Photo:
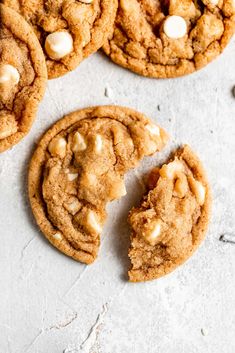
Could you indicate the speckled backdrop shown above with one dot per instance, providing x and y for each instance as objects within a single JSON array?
[{"x": 51, "y": 304}]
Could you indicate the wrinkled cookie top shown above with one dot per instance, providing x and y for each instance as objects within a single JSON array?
[
  {"x": 170, "y": 38},
  {"x": 69, "y": 30},
  {"x": 23, "y": 77},
  {"x": 79, "y": 166},
  {"x": 172, "y": 219}
]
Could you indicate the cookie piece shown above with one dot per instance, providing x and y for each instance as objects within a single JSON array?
[
  {"x": 79, "y": 166},
  {"x": 23, "y": 77},
  {"x": 172, "y": 219},
  {"x": 68, "y": 30},
  {"x": 170, "y": 38}
]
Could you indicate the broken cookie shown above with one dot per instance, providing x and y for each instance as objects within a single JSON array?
[
  {"x": 170, "y": 38},
  {"x": 68, "y": 30},
  {"x": 79, "y": 166},
  {"x": 23, "y": 77},
  {"x": 172, "y": 219}
]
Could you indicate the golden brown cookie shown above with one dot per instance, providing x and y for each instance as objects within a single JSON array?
[
  {"x": 68, "y": 30},
  {"x": 79, "y": 166},
  {"x": 170, "y": 38},
  {"x": 23, "y": 77},
  {"x": 172, "y": 219}
]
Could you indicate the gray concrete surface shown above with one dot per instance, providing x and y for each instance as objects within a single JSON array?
[{"x": 51, "y": 304}]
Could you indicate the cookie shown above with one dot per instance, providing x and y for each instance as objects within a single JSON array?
[
  {"x": 79, "y": 166},
  {"x": 170, "y": 38},
  {"x": 68, "y": 30},
  {"x": 23, "y": 77},
  {"x": 172, "y": 219}
]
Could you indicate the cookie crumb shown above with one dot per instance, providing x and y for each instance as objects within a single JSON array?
[
  {"x": 233, "y": 91},
  {"x": 204, "y": 332},
  {"x": 227, "y": 238},
  {"x": 159, "y": 107},
  {"x": 107, "y": 92}
]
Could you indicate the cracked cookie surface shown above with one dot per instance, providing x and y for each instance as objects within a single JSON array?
[
  {"x": 172, "y": 219},
  {"x": 68, "y": 30},
  {"x": 79, "y": 166},
  {"x": 23, "y": 77},
  {"x": 170, "y": 38}
]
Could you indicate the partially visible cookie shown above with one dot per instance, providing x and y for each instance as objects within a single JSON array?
[
  {"x": 79, "y": 166},
  {"x": 170, "y": 38},
  {"x": 68, "y": 30},
  {"x": 172, "y": 219},
  {"x": 23, "y": 77}
]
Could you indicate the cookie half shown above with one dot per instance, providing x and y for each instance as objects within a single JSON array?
[
  {"x": 23, "y": 77},
  {"x": 172, "y": 219},
  {"x": 68, "y": 30},
  {"x": 170, "y": 38},
  {"x": 79, "y": 166}
]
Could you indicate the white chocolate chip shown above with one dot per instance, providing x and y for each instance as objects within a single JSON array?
[
  {"x": 198, "y": 189},
  {"x": 58, "y": 45},
  {"x": 58, "y": 236},
  {"x": 154, "y": 233},
  {"x": 171, "y": 170},
  {"x": 93, "y": 223},
  {"x": 86, "y": 1},
  {"x": 98, "y": 143},
  {"x": 72, "y": 176},
  {"x": 153, "y": 129},
  {"x": 79, "y": 143},
  {"x": 57, "y": 147},
  {"x": 175, "y": 27},
  {"x": 214, "y": 2},
  {"x": 9, "y": 74}
]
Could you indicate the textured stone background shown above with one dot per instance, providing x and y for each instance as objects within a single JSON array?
[{"x": 51, "y": 304}]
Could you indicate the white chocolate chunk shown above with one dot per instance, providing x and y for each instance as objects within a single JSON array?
[
  {"x": 214, "y": 2},
  {"x": 153, "y": 129},
  {"x": 118, "y": 190},
  {"x": 175, "y": 27},
  {"x": 86, "y": 1},
  {"x": 198, "y": 190},
  {"x": 98, "y": 143},
  {"x": 72, "y": 176},
  {"x": 58, "y": 45},
  {"x": 129, "y": 6},
  {"x": 57, "y": 147},
  {"x": 181, "y": 186},
  {"x": 73, "y": 207},
  {"x": 79, "y": 143},
  {"x": 58, "y": 236},
  {"x": 6, "y": 133},
  {"x": 93, "y": 223},
  {"x": 171, "y": 170},
  {"x": 154, "y": 233},
  {"x": 9, "y": 74},
  {"x": 8, "y": 126},
  {"x": 90, "y": 179}
]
